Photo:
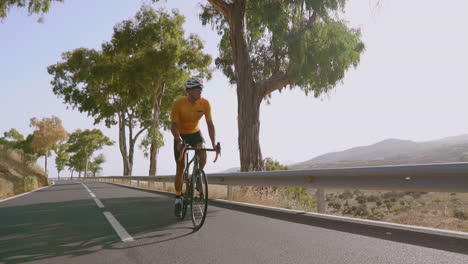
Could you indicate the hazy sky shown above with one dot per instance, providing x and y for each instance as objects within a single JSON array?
[{"x": 411, "y": 83}]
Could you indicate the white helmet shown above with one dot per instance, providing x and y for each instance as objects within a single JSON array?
[{"x": 193, "y": 82}]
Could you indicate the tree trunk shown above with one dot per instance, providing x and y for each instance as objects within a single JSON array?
[
  {"x": 123, "y": 145},
  {"x": 153, "y": 159},
  {"x": 157, "y": 97},
  {"x": 45, "y": 165},
  {"x": 248, "y": 123},
  {"x": 86, "y": 165},
  {"x": 79, "y": 174},
  {"x": 248, "y": 96},
  {"x": 131, "y": 149},
  {"x": 72, "y": 173}
]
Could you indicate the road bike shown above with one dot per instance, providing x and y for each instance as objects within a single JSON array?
[{"x": 196, "y": 186}]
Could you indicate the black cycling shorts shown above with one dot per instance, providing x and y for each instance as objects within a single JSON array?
[{"x": 191, "y": 139}]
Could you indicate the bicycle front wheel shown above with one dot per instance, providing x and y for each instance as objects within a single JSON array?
[{"x": 199, "y": 201}]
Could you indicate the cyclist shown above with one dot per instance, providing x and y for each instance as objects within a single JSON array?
[{"x": 186, "y": 114}]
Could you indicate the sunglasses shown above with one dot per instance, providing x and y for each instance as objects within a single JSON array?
[{"x": 196, "y": 88}]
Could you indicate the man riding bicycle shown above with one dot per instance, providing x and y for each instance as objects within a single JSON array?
[{"x": 186, "y": 114}]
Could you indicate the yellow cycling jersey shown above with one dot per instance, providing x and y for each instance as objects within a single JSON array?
[{"x": 187, "y": 114}]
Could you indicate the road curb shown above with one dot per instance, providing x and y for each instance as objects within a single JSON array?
[
  {"x": 22, "y": 194},
  {"x": 410, "y": 228}
]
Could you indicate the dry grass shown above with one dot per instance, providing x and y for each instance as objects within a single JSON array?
[
  {"x": 437, "y": 210},
  {"x": 17, "y": 175}
]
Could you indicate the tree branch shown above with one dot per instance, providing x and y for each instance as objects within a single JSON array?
[
  {"x": 275, "y": 82},
  {"x": 139, "y": 133},
  {"x": 311, "y": 22},
  {"x": 221, "y": 6}
]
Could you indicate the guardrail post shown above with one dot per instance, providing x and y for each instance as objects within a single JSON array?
[
  {"x": 229, "y": 192},
  {"x": 320, "y": 197}
]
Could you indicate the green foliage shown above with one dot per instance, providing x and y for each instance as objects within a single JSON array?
[
  {"x": 34, "y": 6},
  {"x": 135, "y": 77},
  {"x": 272, "y": 165},
  {"x": 302, "y": 198},
  {"x": 152, "y": 137},
  {"x": 82, "y": 144},
  {"x": 15, "y": 140},
  {"x": 95, "y": 166},
  {"x": 301, "y": 39},
  {"x": 62, "y": 157}
]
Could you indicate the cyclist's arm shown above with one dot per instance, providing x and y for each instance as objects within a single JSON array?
[
  {"x": 175, "y": 132},
  {"x": 211, "y": 131}
]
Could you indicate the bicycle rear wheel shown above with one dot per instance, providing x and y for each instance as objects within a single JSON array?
[{"x": 199, "y": 201}]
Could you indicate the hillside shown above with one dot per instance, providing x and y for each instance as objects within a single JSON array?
[
  {"x": 393, "y": 152},
  {"x": 16, "y": 176}
]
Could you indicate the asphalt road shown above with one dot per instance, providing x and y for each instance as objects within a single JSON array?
[{"x": 64, "y": 224}]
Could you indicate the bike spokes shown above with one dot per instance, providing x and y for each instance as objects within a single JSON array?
[{"x": 199, "y": 203}]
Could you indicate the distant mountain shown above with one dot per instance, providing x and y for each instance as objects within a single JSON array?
[
  {"x": 231, "y": 170},
  {"x": 393, "y": 152}
]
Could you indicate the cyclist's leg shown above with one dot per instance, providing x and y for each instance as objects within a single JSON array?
[
  {"x": 178, "y": 182},
  {"x": 180, "y": 164},
  {"x": 201, "y": 155},
  {"x": 179, "y": 177}
]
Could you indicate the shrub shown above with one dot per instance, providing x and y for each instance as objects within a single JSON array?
[
  {"x": 460, "y": 214},
  {"x": 372, "y": 198},
  {"x": 388, "y": 204},
  {"x": 361, "y": 210},
  {"x": 346, "y": 195}
]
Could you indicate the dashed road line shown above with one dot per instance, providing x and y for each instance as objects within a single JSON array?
[
  {"x": 119, "y": 229},
  {"x": 123, "y": 234},
  {"x": 98, "y": 202}
]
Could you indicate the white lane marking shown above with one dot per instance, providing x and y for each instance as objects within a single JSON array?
[
  {"x": 123, "y": 234},
  {"x": 16, "y": 196},
  {"x": 119, "y": 229},
  {"x": 98, "y": 202}
]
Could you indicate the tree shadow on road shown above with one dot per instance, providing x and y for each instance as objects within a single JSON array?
[{"x": 74, "y": 228}]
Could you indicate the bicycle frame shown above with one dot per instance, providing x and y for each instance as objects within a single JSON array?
[{"x": 196, "y": 184}]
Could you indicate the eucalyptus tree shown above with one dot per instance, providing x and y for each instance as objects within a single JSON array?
[
  {"x": 267, "y": 46},
  {"x": 85, "y": 143},
  {"x": 158, "y": 59},
  {"x": 61, "y": 157},
  {"x": 76, "y": 163},
  {"x": 92, "y": 82},
  {"x": 133, "y": 81}
]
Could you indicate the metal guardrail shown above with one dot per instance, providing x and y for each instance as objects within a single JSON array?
[{"x": 444, "y": 177}]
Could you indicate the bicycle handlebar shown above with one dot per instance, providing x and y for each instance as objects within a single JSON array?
[{"x": 186, "y": 147}]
